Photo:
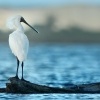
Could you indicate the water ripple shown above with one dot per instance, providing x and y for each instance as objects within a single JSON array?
[{"x": 56, "y": 65}]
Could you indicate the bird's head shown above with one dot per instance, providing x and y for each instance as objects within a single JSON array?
[
  {"x": 14, "y": 22},
  {"x": 23, "y": 20}
]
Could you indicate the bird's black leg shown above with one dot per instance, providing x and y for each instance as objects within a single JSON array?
[
  {"x": 17, "y": 68},
  {"x": 22, "y": 71}
]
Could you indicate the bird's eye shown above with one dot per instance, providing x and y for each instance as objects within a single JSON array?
[{"x": 22, "y": 19}]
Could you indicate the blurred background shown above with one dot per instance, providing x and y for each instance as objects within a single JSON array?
[
  {"x": 65, "y": 52},
  {"x": 56, "y": 20}
]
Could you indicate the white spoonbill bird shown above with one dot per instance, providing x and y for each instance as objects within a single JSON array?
[{"x": 18, "y": 41}]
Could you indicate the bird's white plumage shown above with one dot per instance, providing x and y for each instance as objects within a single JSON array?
[
  {"x": 19, "y": 45},
  {"x": 12, "y": 22},
  {"x": 18, "y": 41}
]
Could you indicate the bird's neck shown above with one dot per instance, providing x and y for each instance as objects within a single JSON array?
[{"x": 20, "y": 27}]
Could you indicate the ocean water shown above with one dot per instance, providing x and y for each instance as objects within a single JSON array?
[{"x": 55, "y": 65}]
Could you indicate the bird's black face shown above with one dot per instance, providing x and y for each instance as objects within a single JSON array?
[{"x": 23, "y": 20}]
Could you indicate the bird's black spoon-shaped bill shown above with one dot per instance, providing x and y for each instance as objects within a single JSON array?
[{"x": 23, "y": 20}]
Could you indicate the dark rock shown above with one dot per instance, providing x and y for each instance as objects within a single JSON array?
[{"x": 25, "y": 87}]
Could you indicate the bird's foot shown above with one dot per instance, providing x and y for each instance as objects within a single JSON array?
[
  {"x": 24, "y": 80},
  {"x": 16, "y": 77}
]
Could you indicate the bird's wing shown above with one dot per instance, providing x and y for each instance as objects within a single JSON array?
[
  {"x": 19, "y": 45},
  {"x": 13, "y": 43}
]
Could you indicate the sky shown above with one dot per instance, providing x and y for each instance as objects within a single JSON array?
[{"x": 37, "y": 3}]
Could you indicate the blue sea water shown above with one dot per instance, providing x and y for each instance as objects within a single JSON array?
[{"x": 54, "y": 65}]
